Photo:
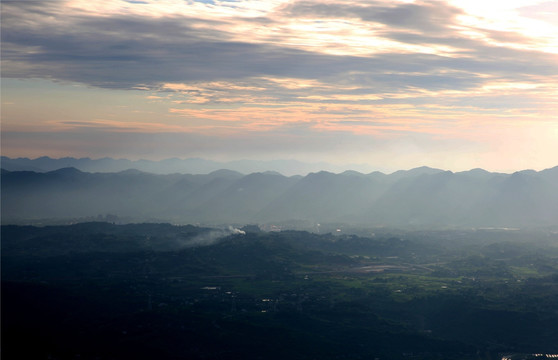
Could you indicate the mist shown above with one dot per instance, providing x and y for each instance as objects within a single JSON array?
[
  {"x": 210, "y": 238},
  {"x": 422, "y": 197}
]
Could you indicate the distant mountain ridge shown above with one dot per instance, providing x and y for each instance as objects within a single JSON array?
[
  {"x": 423, "y": 197},
  {"x": 168, "y": 166}
]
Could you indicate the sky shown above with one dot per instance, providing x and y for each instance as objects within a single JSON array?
[{"x": 385, "y": 85}]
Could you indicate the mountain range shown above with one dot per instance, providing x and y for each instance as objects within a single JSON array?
[
  {"x": 421, "y": 197},
  {"x": 169, "y": 166}
]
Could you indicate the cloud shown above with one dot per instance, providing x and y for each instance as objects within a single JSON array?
[
  {"x": 113, "y": 126},
  {"x": 118, "y": 51},
  {"x": 422, "y": 16},
  {"x": 545, "y": 10}
]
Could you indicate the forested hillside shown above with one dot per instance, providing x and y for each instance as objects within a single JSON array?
[{"x": 145, "y": 291}]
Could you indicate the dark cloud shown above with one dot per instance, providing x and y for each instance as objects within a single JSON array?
[
  {"x": 426, "y": 17},
  {"x": 433, "y": 82},
  {"x": 124, "y": 52},
  {"x": 423, "y": 16}
]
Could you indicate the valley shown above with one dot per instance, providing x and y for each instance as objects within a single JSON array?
[{"x": 100, "y": 291}]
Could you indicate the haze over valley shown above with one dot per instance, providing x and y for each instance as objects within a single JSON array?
[{"x": 423, "y": 197}]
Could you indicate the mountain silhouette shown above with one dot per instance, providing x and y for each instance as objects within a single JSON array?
[{"x": 417, "y": 197}]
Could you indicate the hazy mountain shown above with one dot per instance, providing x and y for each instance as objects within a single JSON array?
[
  {"x": 422, "y": 197},
  {"x": 168, "y": 166},
  {"x": 244, "y": 199},
  {"x": 325, "y": 196}
]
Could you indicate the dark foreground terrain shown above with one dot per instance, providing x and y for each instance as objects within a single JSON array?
[{"x": 157, "y": 291}]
